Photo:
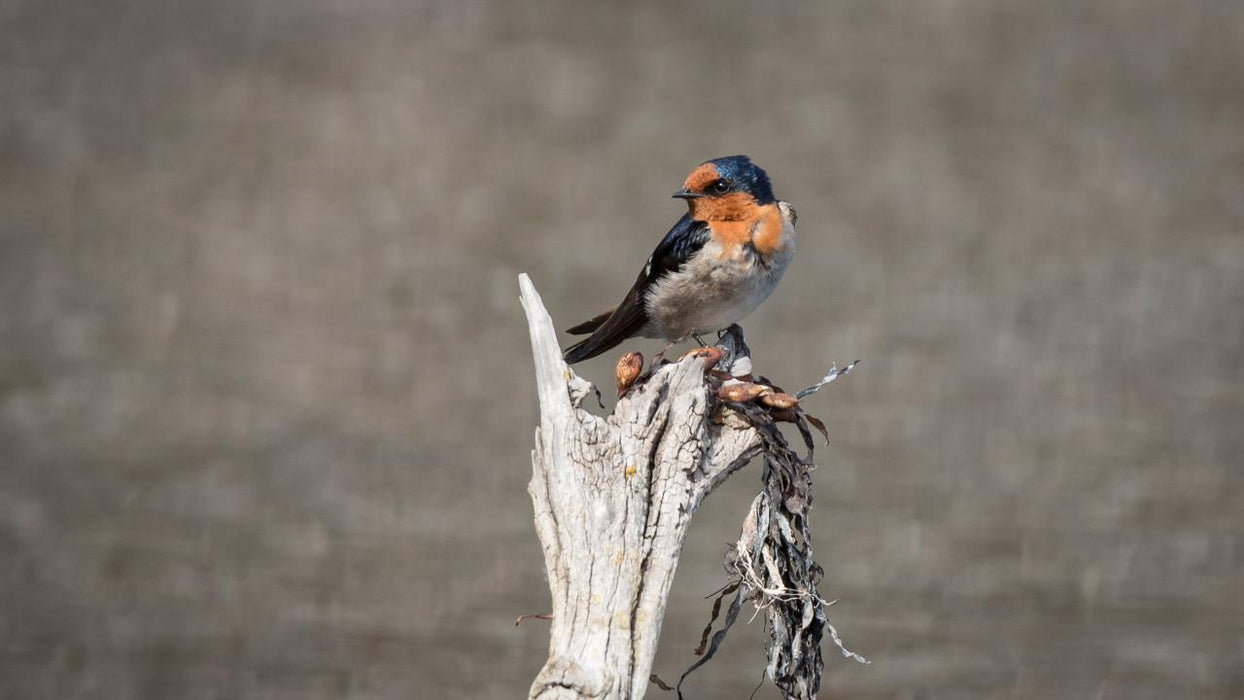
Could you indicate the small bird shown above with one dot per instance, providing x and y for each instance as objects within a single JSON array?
[{"x": 718, "y": 263}]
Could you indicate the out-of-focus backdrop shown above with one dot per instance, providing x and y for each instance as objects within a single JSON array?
[{"x": 265, "y": 396}]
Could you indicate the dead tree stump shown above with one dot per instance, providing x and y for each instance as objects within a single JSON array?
[{"x": 613, "y": 500}]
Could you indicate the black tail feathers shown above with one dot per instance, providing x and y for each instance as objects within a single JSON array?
[
  {"x": 591, "y": 324},
  {"x": 607, "y": 331}
]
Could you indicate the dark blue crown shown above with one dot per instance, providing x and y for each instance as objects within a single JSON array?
[{"x": 746, "y": 176}]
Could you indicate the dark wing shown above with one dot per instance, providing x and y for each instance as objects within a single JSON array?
[{"x": 679, "y": 245}]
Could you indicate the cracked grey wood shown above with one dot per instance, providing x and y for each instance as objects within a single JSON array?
[{"x": 613, "y": 499}]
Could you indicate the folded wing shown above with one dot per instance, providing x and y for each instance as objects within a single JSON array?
[{"x": 609, "y": 329}]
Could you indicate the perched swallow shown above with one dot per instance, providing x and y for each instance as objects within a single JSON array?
[{"x": 722, "y": 258}]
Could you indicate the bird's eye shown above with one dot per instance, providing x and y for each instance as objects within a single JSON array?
[{"x": 721, "y": 186}]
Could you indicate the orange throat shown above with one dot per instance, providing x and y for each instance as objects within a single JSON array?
[
  {"x": 738, "y": 206},
  {"x": 749, "y": 224}
]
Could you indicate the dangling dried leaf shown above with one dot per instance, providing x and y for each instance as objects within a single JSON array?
[
  {"x": 784, "y": 415},
  {"x": 806, "y": 434},
  {"x": 816, "y": 423},
  {"x": 772, "y": 564},
  {"x": 713, "y": 617},
  {"x": 731, "y": 616}
]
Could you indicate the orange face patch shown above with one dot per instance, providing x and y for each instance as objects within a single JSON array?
[{"x": 700, "y": 177}]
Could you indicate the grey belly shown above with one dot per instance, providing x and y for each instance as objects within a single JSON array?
[{"x": 709, "y": 294}]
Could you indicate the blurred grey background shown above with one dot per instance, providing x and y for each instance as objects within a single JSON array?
[{"x": 265, "y": 396}]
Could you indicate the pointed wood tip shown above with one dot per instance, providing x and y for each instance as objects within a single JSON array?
[{"x": 552, "y": 374}]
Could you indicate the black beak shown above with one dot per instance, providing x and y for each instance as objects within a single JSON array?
[{"x": 686, "y": 194}]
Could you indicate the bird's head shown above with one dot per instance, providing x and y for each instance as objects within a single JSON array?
[{"x": 727, "y": 188}]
